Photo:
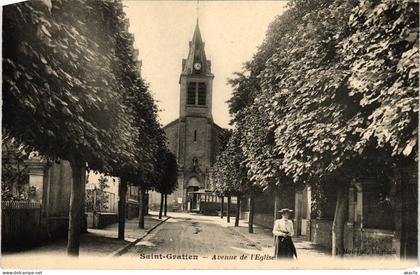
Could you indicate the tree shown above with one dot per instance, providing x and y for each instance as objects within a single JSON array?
[
  {"x": 142, "y": 109},
  {"x": 319, "y": 116},
  {"x": 150, "y": 173},
  {"x": 315, "y": 101},
  {"x": 169, "y": 179},
  {"x": 229, "y": 174},
  {"x": 166, "y": 175},
  {"x": 312, "y": 137},
  {"x": 384, "y": 78},
  {"x": 61, "y": 96},
  {"x": 101, "y": 196}
]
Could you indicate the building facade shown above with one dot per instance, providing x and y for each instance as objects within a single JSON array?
[{"x": 194, "y": 137}]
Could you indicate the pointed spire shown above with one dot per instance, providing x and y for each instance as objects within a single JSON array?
[
  {"x": 196, "y": 62},
  {"x": 197, "y": 40}
]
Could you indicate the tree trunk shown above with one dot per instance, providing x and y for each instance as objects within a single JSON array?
[
  {"x": 83, "y": 220},
  {"x": 403, "y": 232},
  {"x": 251, "y": 214},
  {"x": 228, "y": 209},
  {"x": 238, "y": 210},
  {"x": 166, "y": 205},
  {"x": 141, "y": 207},
  {"x": 146, "y": 204},
  {"x": 222, "y": 204},
  {"x": 161, "y": 206},
  {"x": 277, "y": 204},
  {"x": 339, "y": 221},
  {"x": 122, "y": 193},
  {"x": 76, "y": 205},
  {"x": 398, "y": 215},
  {"x": 409, "y": 211}
]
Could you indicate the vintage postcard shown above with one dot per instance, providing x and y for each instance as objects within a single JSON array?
[{"x": 210, "y": 134}]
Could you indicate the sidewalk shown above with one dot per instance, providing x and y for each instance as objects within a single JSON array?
[
  {"x": 96, "y": 242},
  {"x": 262, "y": 238}
]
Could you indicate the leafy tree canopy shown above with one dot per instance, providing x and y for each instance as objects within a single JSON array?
[
  {"x": 62, "y": 96},
  {"x": 167, "y": 177},
  {"x": 335, "y": 82}
]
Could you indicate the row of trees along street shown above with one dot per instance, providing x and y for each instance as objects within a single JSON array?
[
  {"x": 330, "y": 95},
  {"x": 72, "y": 90}
]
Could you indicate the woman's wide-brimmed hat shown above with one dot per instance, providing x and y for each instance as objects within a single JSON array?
[{"x": 285, "y": 210}]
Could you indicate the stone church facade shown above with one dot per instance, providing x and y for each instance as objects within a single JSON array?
[{"x": 194, "y": 137}]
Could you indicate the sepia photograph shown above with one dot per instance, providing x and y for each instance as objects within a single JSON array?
[{"x": 210, "y": 134}]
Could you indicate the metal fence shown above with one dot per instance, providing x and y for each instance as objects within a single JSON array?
[{"x": 21, "y": 222}]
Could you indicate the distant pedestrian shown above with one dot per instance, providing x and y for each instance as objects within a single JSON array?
[{"x": 283, "y": 232}]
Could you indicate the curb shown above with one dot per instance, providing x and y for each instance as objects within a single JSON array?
[
  {"x": 259, "y": 247},
  {"x": 125, "y": 248}
]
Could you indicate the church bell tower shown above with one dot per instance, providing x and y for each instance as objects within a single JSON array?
[
  {"x": 196, "y": 80},
  {"x": 194, "y": 137},
  {"x": 196, "y": 127}
]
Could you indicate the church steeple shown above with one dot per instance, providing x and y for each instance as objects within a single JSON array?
[
  {"x": 196, "y": 62},
  {"x": 197, "y": 34},
  {"x": 196, "y": 81},
  {"x": 194, "y": 136}
]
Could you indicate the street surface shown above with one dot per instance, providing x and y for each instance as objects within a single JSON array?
[
  {"x": 188, "y": 240},
  {"x": 193, "y": 234}
]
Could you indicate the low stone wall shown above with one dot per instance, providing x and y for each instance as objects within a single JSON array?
[
  {"x": 100, "y": 220},
  {"x": 90, "y": 220},
  {"x": 154, "y": 206},
  {"x": 216, "y": 208},
  {"x": 266, "y": 220},
  {"x": 213, "y": 208},
  {"x": 369, "y": 241},
  {"x": 321, "y": 232},
  {"x": 132, "y": 209},
  {"x": 306, "y": 228},
  {"x": 356, "y": 241}
]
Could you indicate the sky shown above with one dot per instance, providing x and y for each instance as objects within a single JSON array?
[{"x": 231, "y": 30}]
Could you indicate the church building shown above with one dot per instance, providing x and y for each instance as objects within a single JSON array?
[{"x": 194, "y": 137}]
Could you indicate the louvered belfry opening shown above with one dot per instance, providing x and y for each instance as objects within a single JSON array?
[{"x": 196, "y": 93}]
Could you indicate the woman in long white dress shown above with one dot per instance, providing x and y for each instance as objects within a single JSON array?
[{"x": 283, "y": 232}]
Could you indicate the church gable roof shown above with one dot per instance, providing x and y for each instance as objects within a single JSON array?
[
  {"x": 170, "y": 124},
  {"x": 219, "y": 128}
]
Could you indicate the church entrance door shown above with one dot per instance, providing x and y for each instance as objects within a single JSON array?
[{"x": 192, "y": 198}]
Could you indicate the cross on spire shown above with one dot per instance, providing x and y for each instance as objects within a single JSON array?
[{"x": 198, "y": 8}]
